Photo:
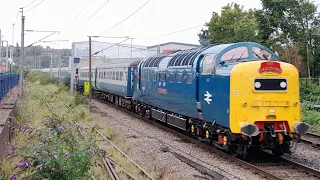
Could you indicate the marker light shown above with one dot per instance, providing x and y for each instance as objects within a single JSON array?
[
  {"x": 283, "y": 84},
  {"x": 257, "y": 85}
]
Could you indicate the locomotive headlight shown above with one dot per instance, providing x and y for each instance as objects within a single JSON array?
[
  {"x": 283, "y": 84},
  {"x": 257, "y": 85}
]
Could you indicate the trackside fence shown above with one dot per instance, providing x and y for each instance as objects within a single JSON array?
[{"x": 7, "y": 82}]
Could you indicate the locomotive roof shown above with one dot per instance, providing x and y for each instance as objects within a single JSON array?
[{"x": 187, "y": 57}]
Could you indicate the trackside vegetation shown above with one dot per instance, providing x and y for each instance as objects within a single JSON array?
[
  {"x": 310, "y": 97},
  {"x": 50, "y": 141}
]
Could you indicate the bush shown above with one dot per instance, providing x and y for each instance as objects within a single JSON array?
[
  {"x": 43, "y": 78},
  {"x": 310, "y": 96},
  {"x": 54, "y": 152},
  {"x": 62, "y": 88},
  {"x": 79, "y": 99}
]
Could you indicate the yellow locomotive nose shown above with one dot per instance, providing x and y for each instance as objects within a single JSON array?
[{"x": 265, "y": 94}]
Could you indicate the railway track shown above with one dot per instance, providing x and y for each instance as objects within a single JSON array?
[
  {"x": 266, "y": 169},
  {"x": 108, "y": 163},
  {"x": 311, "y": 138},
  {"x": 283, "y": 168}
]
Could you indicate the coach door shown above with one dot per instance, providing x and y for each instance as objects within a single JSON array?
[{"x": 205, "y": 74}]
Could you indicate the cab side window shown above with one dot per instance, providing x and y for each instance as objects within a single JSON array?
[
  {"x": 208, "y": 64},
  {"x": 261, "y": 53}
]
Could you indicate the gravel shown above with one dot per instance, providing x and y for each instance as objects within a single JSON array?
[
  {"x": 305, "y": 154},
  {"x": 146, "y": 142}
]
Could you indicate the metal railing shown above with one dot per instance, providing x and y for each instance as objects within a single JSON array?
[{"x": 7, "y": 82}]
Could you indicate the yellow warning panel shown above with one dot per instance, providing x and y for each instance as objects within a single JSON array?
[{"x": 86, "y": 88}]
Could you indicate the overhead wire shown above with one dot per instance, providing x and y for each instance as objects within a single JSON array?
[
  {"x": 93, "y": 15},
  {"x": 83, "y": 8},
  {"x": 181, "y": 30},
  {"x": 110, "y": 46},
  {"x": 174, "y": 32},
  {"x": 41, "y": 39},
  {"x": 126, "y": 17},
  {"x": 97, "y": 10},
  {"x": 29, "y": 4},
  {"x": 34, "y": 6}
]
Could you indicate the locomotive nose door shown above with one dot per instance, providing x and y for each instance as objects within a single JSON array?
[{"x": 205, "y": 73}]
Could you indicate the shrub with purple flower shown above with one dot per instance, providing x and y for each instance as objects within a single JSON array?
[
  {"x": 61, "y": 154},
  {"x": 13, "y": 177}
]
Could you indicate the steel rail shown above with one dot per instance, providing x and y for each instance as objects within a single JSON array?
[
  {"x": 301, "y": 166},
  {"x": 109, "y": 168},
  {"x": 110, "y": 142},
  {"x": 212, "y": 149},
  {"x": 306, "y": 139},
  {"x": 168, "y": 148}
]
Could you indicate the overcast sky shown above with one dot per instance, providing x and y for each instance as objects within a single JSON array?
[{"x": 148, "y": 26}]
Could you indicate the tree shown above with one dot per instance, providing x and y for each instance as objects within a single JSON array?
[
  {"x": 293, "y": 21},
  {"x": 233, "y": 25},
  {"x": 204, "y": 37}
]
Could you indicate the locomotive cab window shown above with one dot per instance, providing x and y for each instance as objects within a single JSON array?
[
  {"x": 261, "y": 53},
  {"x": 208, "y": 64},
  {"x": 235, "y": 54}
]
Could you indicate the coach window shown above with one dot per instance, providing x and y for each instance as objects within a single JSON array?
[
  {"x": 235, "y": 54},
  {"x": 121, "y": 76},
  {"x": 117, "y": 75},
  {"x": 162, "y": 77},
  {"x": 189, "y": 78},
  {"x": 208, "y": 64},
  {"x": 171, "y": 77},
  {"x": 179, "y": 78}
]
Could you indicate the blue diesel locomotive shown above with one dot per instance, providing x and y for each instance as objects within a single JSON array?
[{"x": 236, "y": 96}]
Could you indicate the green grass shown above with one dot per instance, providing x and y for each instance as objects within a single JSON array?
[{"x": 310, "y": 96}]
